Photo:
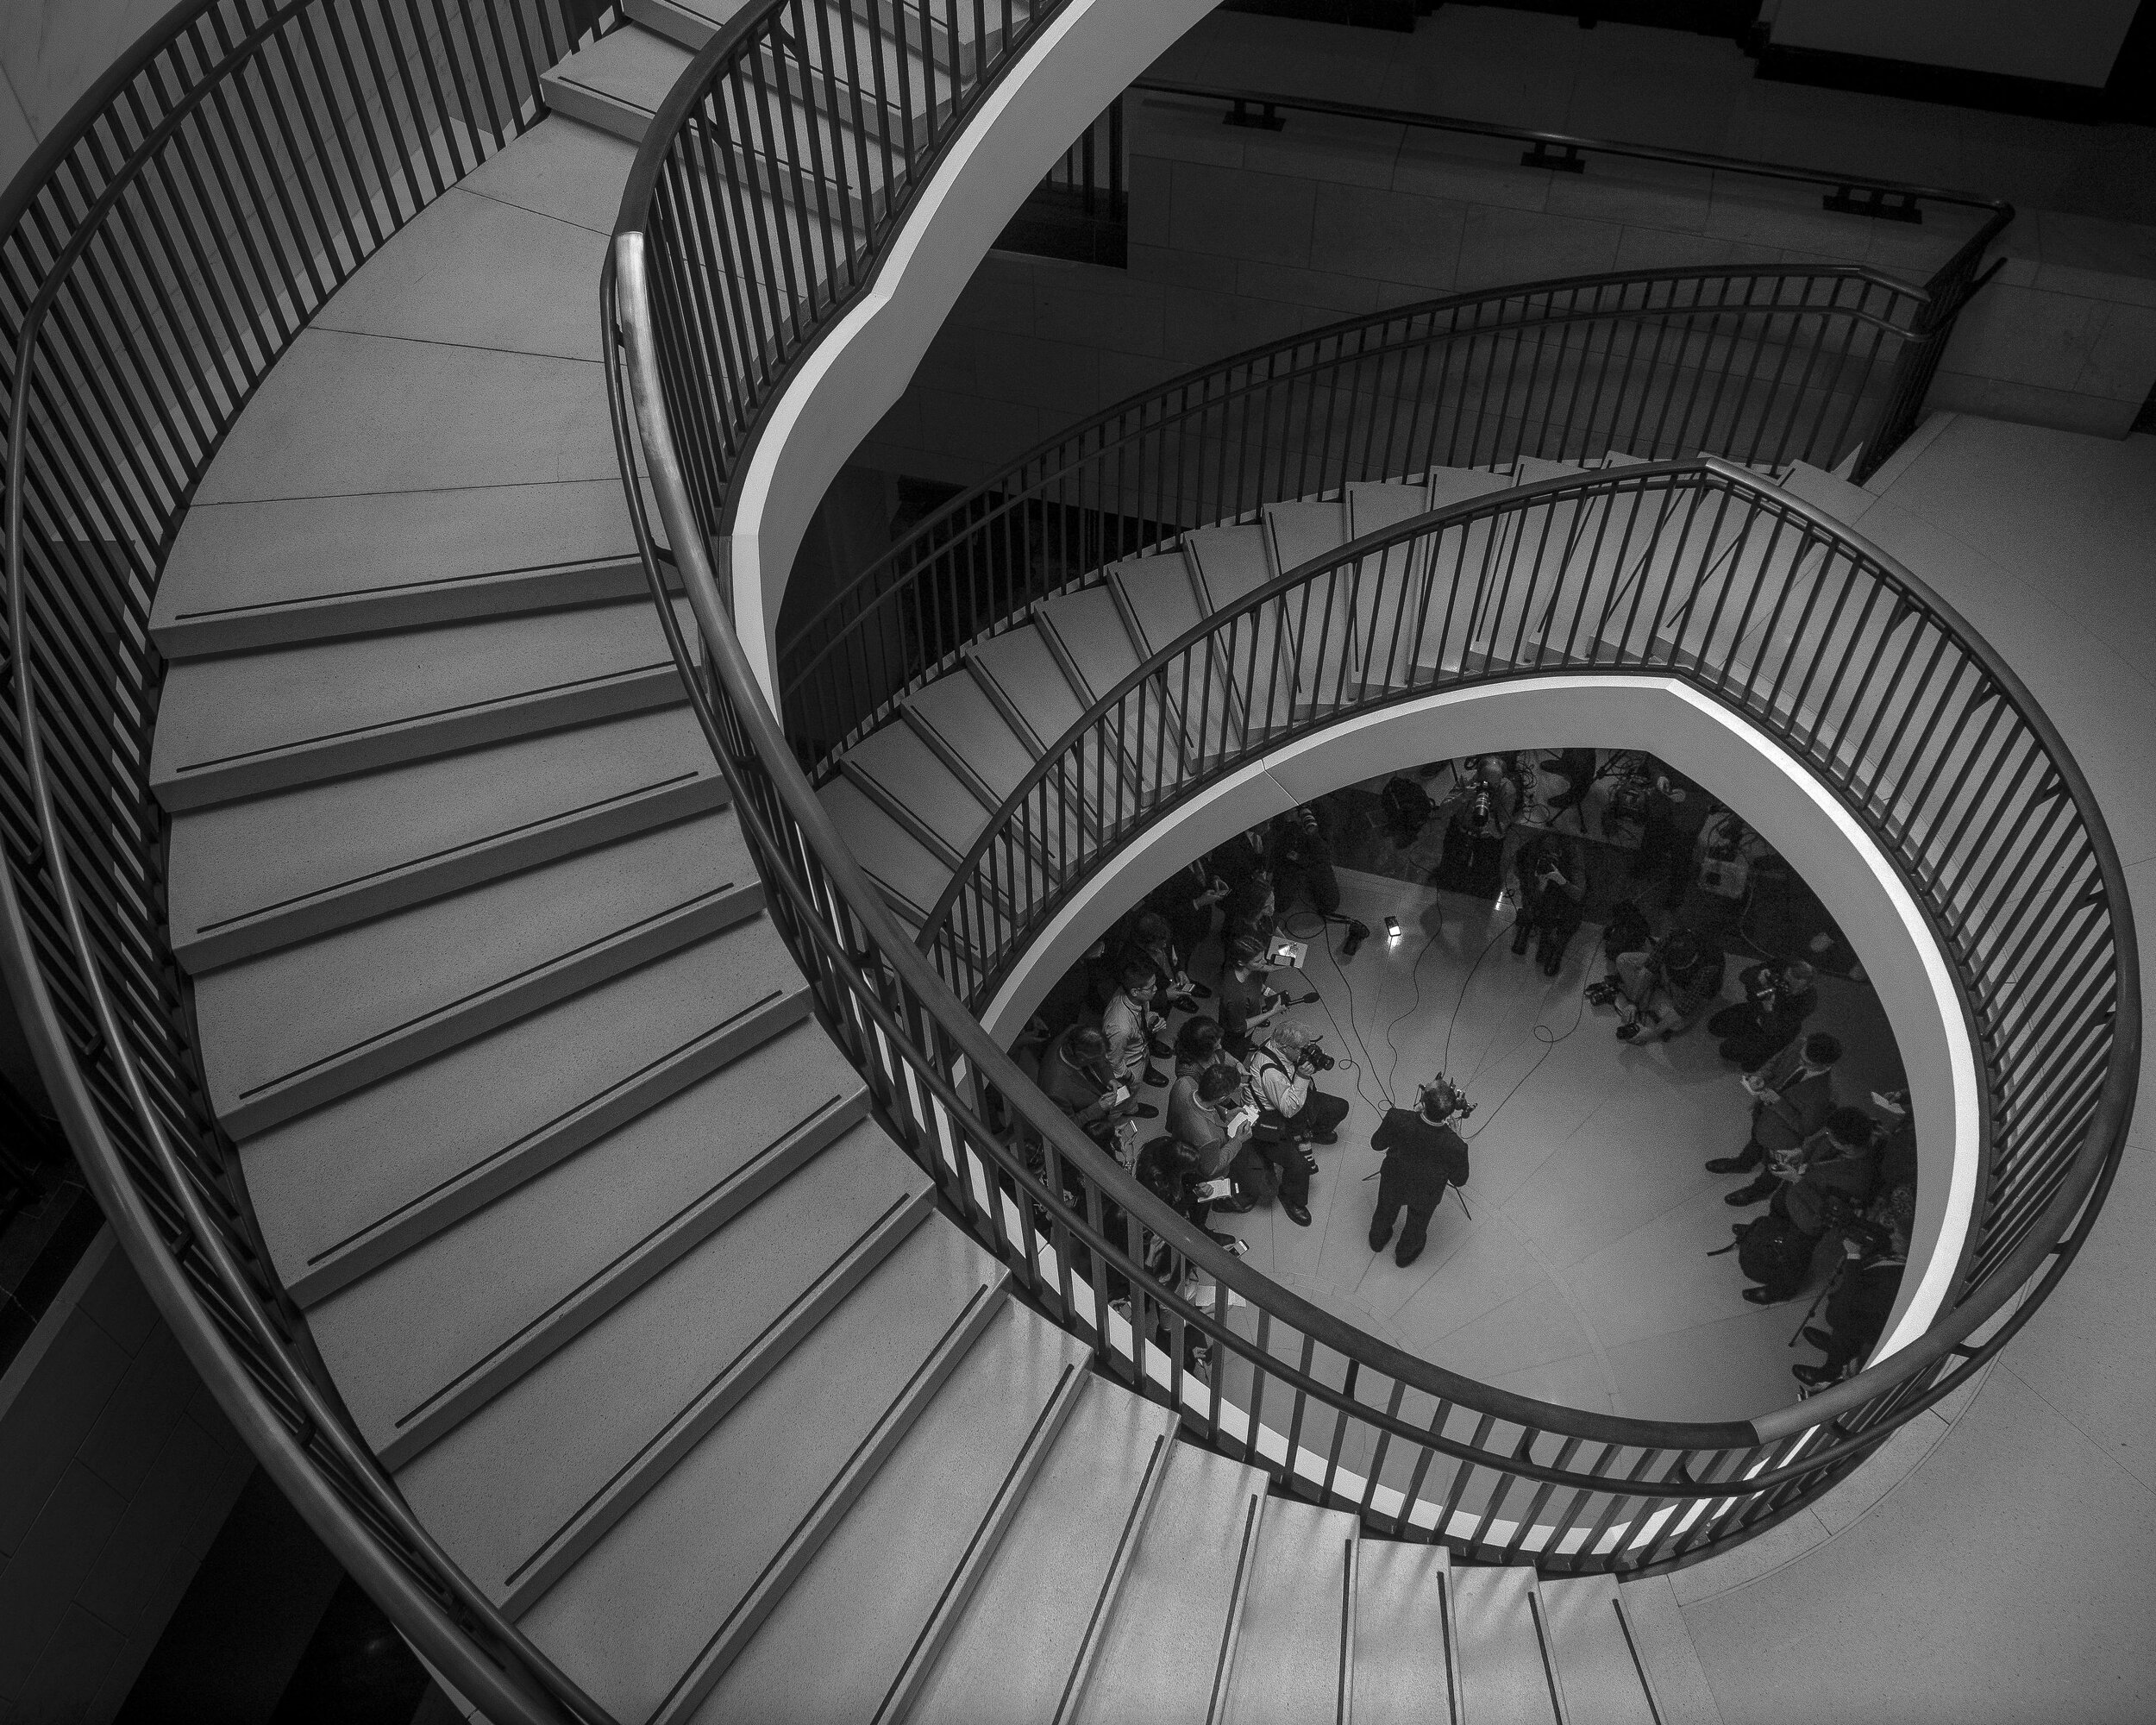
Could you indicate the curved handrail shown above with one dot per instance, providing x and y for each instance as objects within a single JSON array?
[
  {"x": 998, "y": 870},
  {"x": 158, "y": 253},
  {"x": 1066, "y": 1218},
  {"x": 1766, "y": 364}
]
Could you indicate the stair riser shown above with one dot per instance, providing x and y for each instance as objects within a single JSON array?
[
  {"x": 664, "y": 1247},
  {"x": 563, "y": 1138},
  {"x": 417, "y": 739},
  {"x": 526, "y": 1587},
  {"x": 419, "y": 606},
  {"x": 490, "y": 1009},
  {"x": 988, "y": 1539},
  {"x": 606, "y": 113},
  {"x": 831, "y": 1508},
  {"x": 435, "y": 877}
]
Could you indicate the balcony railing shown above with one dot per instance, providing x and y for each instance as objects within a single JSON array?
[
  {"x": 1411, "y": 1448},
  {"x": 160, "y": 250}
]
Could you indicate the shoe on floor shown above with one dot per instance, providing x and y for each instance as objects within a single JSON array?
[
  {"x": 1159, "y": 1050},
  {"x": 1817, "y": 1337},
  {"x": 1813, "y": 1376},
  {"x": 1297, "y": 1214},
  {"x": 1146, "y": 1110},
  {"x": 1202, "y": 992},
  {"x": 1760, "y": 1296},
  {"x": 1236, "y": 1206},
  {"x": 1182, "y": 1003},
  {"x": 1379, "y": 1241},
  {"x": 1231, "y": 1244},
  {"x": 1404, "y": 1258},
  {"x": 1750, "y": 1194},
  {"x": 1156, "y": 1079},
  {"x": 1519, "y": 940},
  {"x": 1550, "y": 966},
  {"x": 1626, "y": 1032},
  {"x": 1728, "y": 1164},
  {"x": 1324, "y": 1137}
]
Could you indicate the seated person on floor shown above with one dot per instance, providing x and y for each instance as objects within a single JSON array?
[
  {"x": 1301, "y": 859},
  {"x": 1665, "y": 988},
  {"x": 1074, "y": 1076},
  {"x": 1173, "y": 1172},
  {"x": 1199, "y": 1044},
  {"x": 1133, "y": 1028},
  {"x": 1481, "y": 808},
  {"x": 1672, "y": 814},
  {"x": 1216, "y": 1118},
  {"x": 1423, "y": 1156},
  {"x": 1874, "y": 1254},
  {"x": 1792, "y": 1096},
  {"x": 1185, "y": 901},
  {"x": 1779, "y": 998},
  {"x": 1248, "y": 1003},
  {"x": 1552, "y": 880},
  {"x": 1149, "y": 942},
  {"x": 1292, "y": 1110},
  {"x": 1832, "y": 1175}
]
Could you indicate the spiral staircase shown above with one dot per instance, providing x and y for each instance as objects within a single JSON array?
[{"x": 579, "y": 1191}]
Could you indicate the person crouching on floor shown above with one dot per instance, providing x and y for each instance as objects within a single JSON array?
[
  {"x": 1292, "y": 1110},
  {"x": 1423, "y": 1156}
]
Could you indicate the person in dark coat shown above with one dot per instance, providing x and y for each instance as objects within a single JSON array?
[
  {"x": 1186, "y": 901},
  {"x": 1791, "y": 1096},
  {"x": 1863, "y": 1299},
  {"x": 1779, "y": 998},
  {"x": 1553, "y": 876},
  {"x": 1301, "y": 858},
  {"x": 1423, "y": 1156}
]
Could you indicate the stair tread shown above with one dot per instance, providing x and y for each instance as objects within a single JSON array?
[
  {"x": 1161, "y": 596},
  {"x": 693, "y": 22},
  {"x": 1092, "y": 632},
  {"x": 1012, "y": 1655},
  {"x": 398, "y": 1339},
  {"x": 619, "y": 82},
  {"x": 957, "y": 711},
  {"x": 1502, "y": 1679},
  {"x": 305, "y": 861},
  {"x": 1288, "y": 1646},
  {"x": 291, "y": 569},
  {"x": 1594, "y": 1659},
  {"x": 565, "y": 1430},
  {"x": 757, "y": 1475},
  {"x": 562, "y": 167},
  {"x": 471, "y": 270},
  {"x": 892, "y": 856},
  {"x": 1231, "y": 561},
  {"x": 1031, "y": 680},
  {"x": 405, "y": 1150},
  {"x": 259, "y": 721},
  {"x": 1378, "y": 504},
  {"x": 1161, "y": 1646},
  {"x": 907, "y": 770},
  {"x": 344, "y": 414},
  {"x": 1449, "y": 485},
  {"x": 928, "y": 1501},
  {"x": 1302, "y": 531},
  {"x": 361, "y": 994},
  {"x": 1400, "y": 1673}
]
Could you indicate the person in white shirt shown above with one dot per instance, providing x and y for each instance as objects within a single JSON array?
[
  {"x": 1292, "y": 1113},
  {"x": 1130, "y": 1023}
]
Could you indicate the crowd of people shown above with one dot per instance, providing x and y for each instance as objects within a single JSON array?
[{"x": 1245, "y": 1112}]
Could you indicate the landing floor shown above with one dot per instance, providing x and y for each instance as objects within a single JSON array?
[{"x": 1582, "y": 1274}]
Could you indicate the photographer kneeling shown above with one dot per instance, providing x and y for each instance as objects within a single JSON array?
[
  {"x": 1423, "y": 1156},
  {"x": 1292, "y": 1110}
]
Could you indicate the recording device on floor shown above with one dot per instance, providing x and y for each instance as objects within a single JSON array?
[{"x": 1392, "y": 930}]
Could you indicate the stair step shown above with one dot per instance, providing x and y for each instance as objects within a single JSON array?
[
  {"x": 1228, "y": 563},
  {"x": 1161, "y": 1655},
  {"x": 1024, "y": 674},
  {"x": 431, "y": 1335},
  {"x": 345, "y": 415},
  {"x": 597, "y": 1424},
  {"x": 952, "y": 1498},
  {"x": 1596, "y": 1669},
  {"x": 248, "y": 877},
  {"x": 242, "y": 726},
  {"x": 561, "y": 167},
  {"x": 692, "y": 23},
  {"x": 967, "y": 723},
  {"x": 1293, "y": 1647},
  {"x": 1047, "y": 1589},
  {"x": 1505, "y": 1678},
  {"x": 1302, "y": 531},
  {"x": 1163, "y": 601},
  {"x": 618, "y": 83},
  {"x": 1088, "y": 632},
  {"x": 280, "y": 572},
  {"x": 1403, "y": 1635},
  {"x": 901, "y": 866},
  {"x": 910, "y": 775},
  {"x": 298, "y": 1027},
  {"x": 1374, "y": 504},
  {"x": 778, "y": 1474},
  {"x": 413, "y": 1154}
]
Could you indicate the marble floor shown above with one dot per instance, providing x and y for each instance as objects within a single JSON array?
[{"x": 1580, "y": 1275}]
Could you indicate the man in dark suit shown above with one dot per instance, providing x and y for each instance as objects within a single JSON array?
[
  {"x": 1791, "y": 1097},
  {"x": 1423, "y": 1156}
]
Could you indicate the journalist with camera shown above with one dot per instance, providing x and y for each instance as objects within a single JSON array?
[
  {"x": 1293, "y": 1111},
  {"x": 1423, "y": 1156}
]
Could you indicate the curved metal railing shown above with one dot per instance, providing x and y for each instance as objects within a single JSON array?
[
  {"x": 158, "y": 253},
  {"x": 1411, "y": 1447}
]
